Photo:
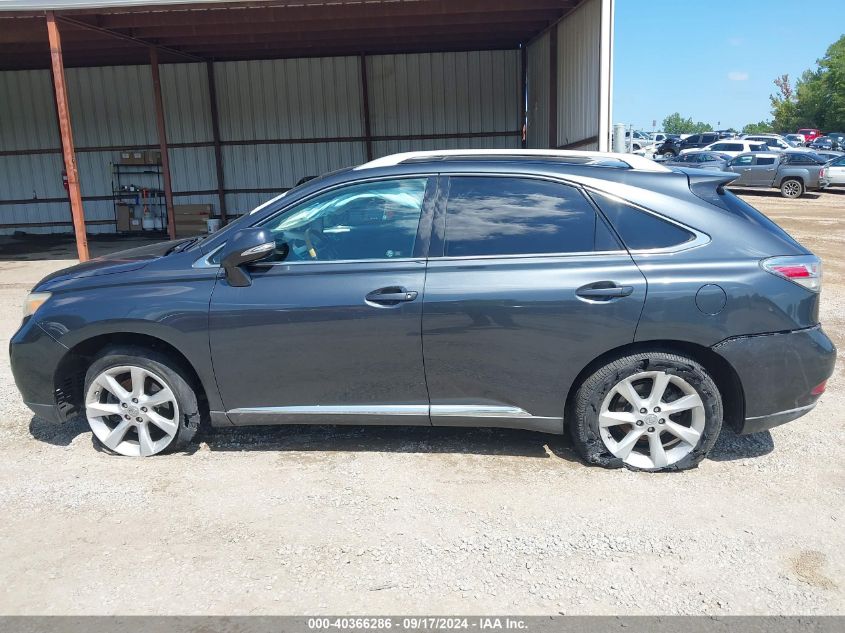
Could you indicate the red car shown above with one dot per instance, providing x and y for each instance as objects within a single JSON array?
[{"x": 810, "y": 135}]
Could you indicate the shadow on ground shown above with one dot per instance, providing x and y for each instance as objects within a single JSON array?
[{"x": 400, "y": 439}]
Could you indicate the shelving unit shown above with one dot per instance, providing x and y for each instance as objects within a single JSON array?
[{"x": 122, "y": 174}]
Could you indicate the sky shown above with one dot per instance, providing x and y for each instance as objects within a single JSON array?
[{"x": 714, "y": 60}]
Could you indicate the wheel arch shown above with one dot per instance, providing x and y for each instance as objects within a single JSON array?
[
  {"x": 722, "y": 372},
  {"x": 69, "y": 376}
]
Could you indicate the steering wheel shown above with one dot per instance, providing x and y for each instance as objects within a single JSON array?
[
  {"x": 311, "y": 236},
  {"x": 309, "y": 243}
]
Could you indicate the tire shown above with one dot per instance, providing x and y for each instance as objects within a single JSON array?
[
  {"x": 604, "y": 424},
  {"x": 669, "y": 155},
  {"x": 138, "y": 402},
  {"x": 792, "y": 188}
]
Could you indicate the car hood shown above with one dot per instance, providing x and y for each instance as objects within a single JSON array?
[{"x": 120, "y": 262}]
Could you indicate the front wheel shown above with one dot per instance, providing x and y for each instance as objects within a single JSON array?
[
  {"x": 792, "y": 188},
  {"x": 138, "y": 403},
  {"x": 651, "y": 411},
  {"x": 668, "y": 155}
]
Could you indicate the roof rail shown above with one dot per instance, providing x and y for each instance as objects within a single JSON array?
[{"x": 629, "y": 161}]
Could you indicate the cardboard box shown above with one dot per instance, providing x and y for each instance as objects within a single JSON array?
[
  {"x": 123, "y": 217},
  {"x": 132, "y": 157},
  {"x": 152, "y": 157}
]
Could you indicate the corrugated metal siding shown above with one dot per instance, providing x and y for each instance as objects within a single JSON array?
[
  {"x": 444, "y": 93},
  {"x": 384, "y": 148},
  {"x": 289, "y": 98},
  {"x": 579, "y": 74},
  {"x": 187, "y": 109},
  {"x": 538, "y": 93},
  {"x": 27, "y": 114},
  {"x": 112, "y": 105}
]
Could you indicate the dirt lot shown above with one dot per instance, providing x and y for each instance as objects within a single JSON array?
[{"x": 374, "y": 520}]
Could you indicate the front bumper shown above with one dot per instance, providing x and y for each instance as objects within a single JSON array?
[
  {"x": 34, "y": 357},
  {"x": 778, "y": 373}
]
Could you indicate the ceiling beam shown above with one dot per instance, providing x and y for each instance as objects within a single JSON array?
[{"x": 128, "y": 38}]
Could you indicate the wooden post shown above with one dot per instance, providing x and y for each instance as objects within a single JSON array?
[
  {"x": 365, "y": 88},
  {"x": 60, "y": 87},
  {"x": 162, "y": 143},
  {"x": 553, "y": 143},
  {"x": 215, "y": 134}
]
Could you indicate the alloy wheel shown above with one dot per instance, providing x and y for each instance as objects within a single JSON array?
[
  {"x": 652, "y": 419},
  {"x": 792, "y": 189},
  {"x": 132, "y": 411}
]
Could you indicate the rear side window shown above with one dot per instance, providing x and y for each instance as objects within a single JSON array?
[
  {"x": 762, "y": 160},
  {"x": 639, "y": 229},
  {"x": 520, "y": 216}
]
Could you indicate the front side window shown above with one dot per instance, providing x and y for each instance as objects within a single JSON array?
[
  {"x": 520, "y": 216},
  {"x": 741, "y": 161},
  {"x": 373, "y": 220}
]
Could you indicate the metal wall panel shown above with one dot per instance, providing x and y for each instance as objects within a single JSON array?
[
  {"x": 444, "y": 93},
  {"x": 579, "y": 75},
  {"x": 27, "y": 111},
  {"x": 112, "y": 106},
  {"x": 384, "y": 148},
  {"x": 537, "y": 136},
  {"x": 187, "y": 109},
  {"x": 289, "y": 98}
]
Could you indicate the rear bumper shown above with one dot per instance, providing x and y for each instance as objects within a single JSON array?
[{"x": 778, "y": 373}]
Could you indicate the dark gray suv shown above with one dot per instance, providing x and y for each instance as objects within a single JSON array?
[{"x": 636, "y": 306}]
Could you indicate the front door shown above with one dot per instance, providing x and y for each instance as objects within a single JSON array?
[
  {"x": 742, "y": 165},
  {"x": 329, "y": 332},
  {"x": 526, "y": 285}
]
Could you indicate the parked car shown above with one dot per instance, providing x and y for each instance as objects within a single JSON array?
[
  {"x": 839, "y": 137},
  {"x": 809, "y": 134},
  {"x": 826, "y": 156},
  {"x": 773, "y": 143},
  {"x": 835, "y": 171},
  {"x": 673, "y": 147},
  {"x": 734, "y": 147},
  {"x": 669, "y": 148},
  {"x": 791, "y": 172},
  {"x": 456, "y": 288},
  {"x": 796, "y": 140},
  {"x": 726, "y": 133},
  {"x": 825, "y": 143},
  {"x": 700, "y": 159}
]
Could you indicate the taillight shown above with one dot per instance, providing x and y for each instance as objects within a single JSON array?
[
  {"x": 821, "y": 173},
  {"x": 804, "y": 270},
  {"x": 819, "y": 388}
]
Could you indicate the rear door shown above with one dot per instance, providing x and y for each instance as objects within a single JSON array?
[
  {"x": 762, "y": 173},
  {"x": 526, "y": 285}
]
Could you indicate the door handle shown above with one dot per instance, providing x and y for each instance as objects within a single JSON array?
[
  {"x": 607, "y": 292},
  {"x": 391, "y": 296}
]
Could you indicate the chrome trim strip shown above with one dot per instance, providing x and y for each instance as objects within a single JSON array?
[
  {"x": 400, "y": 409},
  {"x": 437, "y": 410},
  {"x": 478, "y": 411},
  {"x": 788, "y": 411}
]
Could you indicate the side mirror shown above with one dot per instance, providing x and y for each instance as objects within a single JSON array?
[{"x": 245, "y": 247}]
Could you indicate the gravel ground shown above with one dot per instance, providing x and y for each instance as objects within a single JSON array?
[{"x": 413, "y": 520}]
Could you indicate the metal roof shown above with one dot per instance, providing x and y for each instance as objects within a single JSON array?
[{"x": 118, "y": 32}]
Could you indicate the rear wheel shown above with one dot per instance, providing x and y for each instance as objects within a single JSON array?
[
  {"x": 668, "y": 155},
  {"x": 138, "y": 403},
  {"x": 651, "y": 411},
  {"x": 792, "y": 188}
]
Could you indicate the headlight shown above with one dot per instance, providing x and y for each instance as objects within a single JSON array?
[{"x": 34, "y": 300}]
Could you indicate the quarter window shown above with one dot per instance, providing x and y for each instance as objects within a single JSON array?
[
  {"x": 373, "y": 220},
  {"x": 520, "y": 216},
  {"x": 639, "y": 229}
]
